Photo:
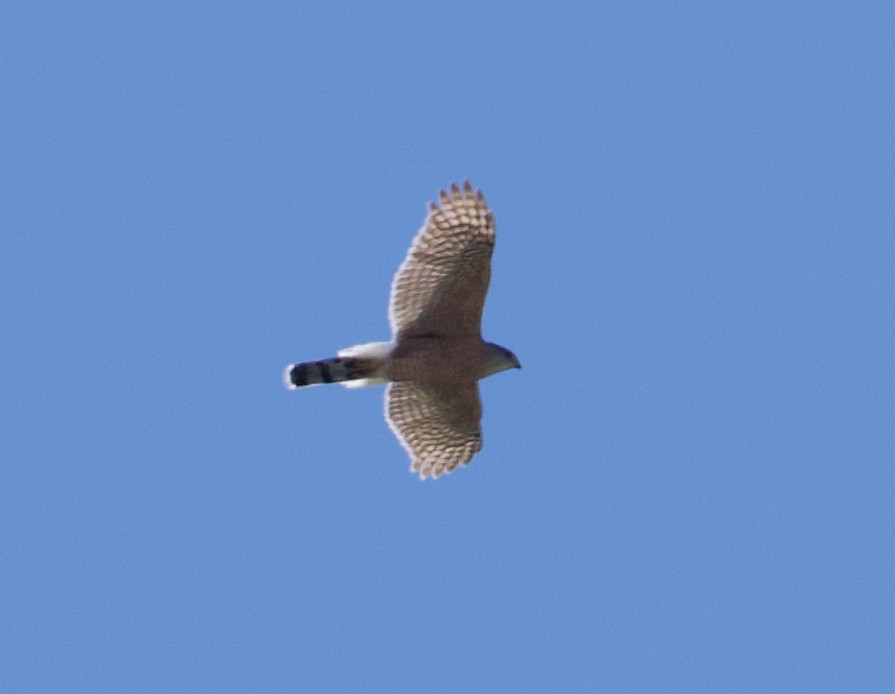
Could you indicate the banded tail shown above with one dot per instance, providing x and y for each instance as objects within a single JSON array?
[{"x": 354, "y": 367}]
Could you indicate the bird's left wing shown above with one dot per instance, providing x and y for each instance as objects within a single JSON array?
[{"x": 439, "y": 426}]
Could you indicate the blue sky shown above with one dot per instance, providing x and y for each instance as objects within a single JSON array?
[{"x": 688, "y": 487}]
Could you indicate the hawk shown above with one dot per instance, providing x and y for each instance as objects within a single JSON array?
[{"x": 436, "y": 355}]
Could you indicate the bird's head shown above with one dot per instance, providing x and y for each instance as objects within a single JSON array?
[{"x": 500, "y": 359}]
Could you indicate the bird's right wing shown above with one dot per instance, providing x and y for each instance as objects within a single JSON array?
[{"x": 440, "y": 287}]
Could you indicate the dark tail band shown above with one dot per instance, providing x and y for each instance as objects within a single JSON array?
[{"x": 333, "y": 370}]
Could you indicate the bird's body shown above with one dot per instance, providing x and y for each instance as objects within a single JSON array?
[{"x": 436, "y": 355}]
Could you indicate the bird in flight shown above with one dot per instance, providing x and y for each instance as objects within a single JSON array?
[{"x": 436, "y": 355}]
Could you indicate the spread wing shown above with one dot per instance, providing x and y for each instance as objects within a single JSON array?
[
  {"x": 439, "y": 426},
  {"x": 441, "y": 285}
]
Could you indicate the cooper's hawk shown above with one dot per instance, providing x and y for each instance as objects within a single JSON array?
[{"x": 436, "y": 355}]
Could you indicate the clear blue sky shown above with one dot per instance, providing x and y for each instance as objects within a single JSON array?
[{"x": 689, "y": 486}]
